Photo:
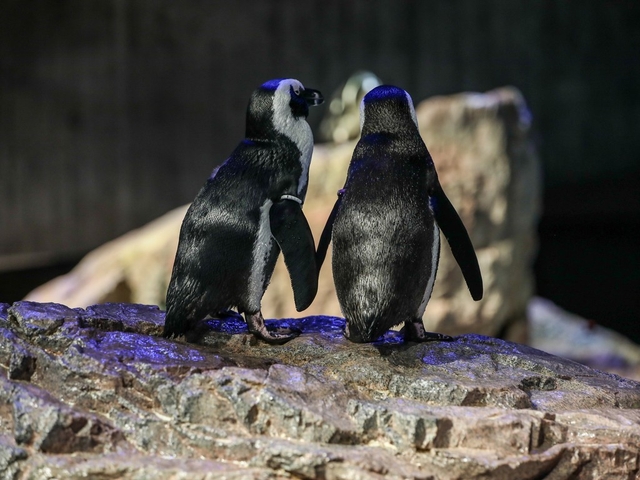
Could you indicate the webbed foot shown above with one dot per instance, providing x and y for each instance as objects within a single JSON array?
[
  {"x": 414, "y": 332},
  {"x": 275, "y": 336}
]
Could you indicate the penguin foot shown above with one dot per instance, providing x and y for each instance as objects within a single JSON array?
[
  {"x": 414, "y": 332},
  {"x": 275, "y": 336}
]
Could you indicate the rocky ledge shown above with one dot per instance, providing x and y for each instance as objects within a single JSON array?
[{"x": 96, "y": 393}]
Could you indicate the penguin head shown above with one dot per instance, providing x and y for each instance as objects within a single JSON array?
[
  {"x": 279, "y": 104},
  {"x": 387, "y": 109}
]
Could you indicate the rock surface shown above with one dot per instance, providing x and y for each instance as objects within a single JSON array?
[
  {"x": 486, "y": 164},
  {"x": 95, "y": 393}
]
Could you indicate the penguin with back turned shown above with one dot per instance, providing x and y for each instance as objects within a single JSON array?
[
  {"x": 384, "y": 225},
  {"x": 248, "y": 211}
]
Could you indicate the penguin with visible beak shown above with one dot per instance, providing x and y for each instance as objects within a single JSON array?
[{"x": 248, "y": 211}]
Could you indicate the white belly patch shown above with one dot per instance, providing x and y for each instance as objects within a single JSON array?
[
  {"x": 261, "y": 250},
  {"x": 435, "y": 256}
]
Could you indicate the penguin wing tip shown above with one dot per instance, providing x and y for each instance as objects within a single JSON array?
[
  {"x": 303, "y": 305},
  {"x": 477, "y": 292},
  {"x": 303, "y": 296}
]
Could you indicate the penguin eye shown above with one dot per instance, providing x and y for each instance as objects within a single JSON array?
[{"x": 296, "y": 90}]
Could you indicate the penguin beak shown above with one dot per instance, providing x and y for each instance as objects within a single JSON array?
[{"x": 312, "y": 97}]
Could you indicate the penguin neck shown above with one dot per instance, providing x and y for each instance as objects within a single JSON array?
[
  {"x": 269, "y": 119},
  {"x": 299, "y": 132},
  {"x": 392, "y": 129},
  {"x": 295, "y": 134},
  {"x": 393, "y": 116}
]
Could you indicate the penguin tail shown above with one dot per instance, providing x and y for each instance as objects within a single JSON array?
[
  {"x": 184, "y": 306},
  {"x": 172, "y": 326},
  {"x": 365, "y": 329},
  {"x": 176, "y": 322}
]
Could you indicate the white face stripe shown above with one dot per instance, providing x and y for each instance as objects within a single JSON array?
[{"x": 296, "y": 129}]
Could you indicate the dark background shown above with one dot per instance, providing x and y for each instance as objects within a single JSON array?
[{"x": 114, "y": 111}]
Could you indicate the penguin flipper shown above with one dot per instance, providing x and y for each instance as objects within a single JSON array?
[
  {"x": 325, "y": 238},
  {"x": 291, "y": 230},
  {"x": 459, "y": 241}
]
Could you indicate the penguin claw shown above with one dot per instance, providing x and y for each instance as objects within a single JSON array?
[
  {"x": 274, "y": 336},
  {"x": 414, "y": 332}
]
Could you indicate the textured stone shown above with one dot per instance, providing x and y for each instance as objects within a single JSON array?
[
  {"x": 48, "y": 426},
  {"x": 126, "y": 466},
  {"x": 35, "y": 319},
  {"x": 107, "y": 399},
  {"x": 10, "y": 457},
  {"x": 22, "y": 364},
  {"x": 124, "y": 317},
  {"x": 4, "y": 312},
  {"x": 488, "y": 167}
]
